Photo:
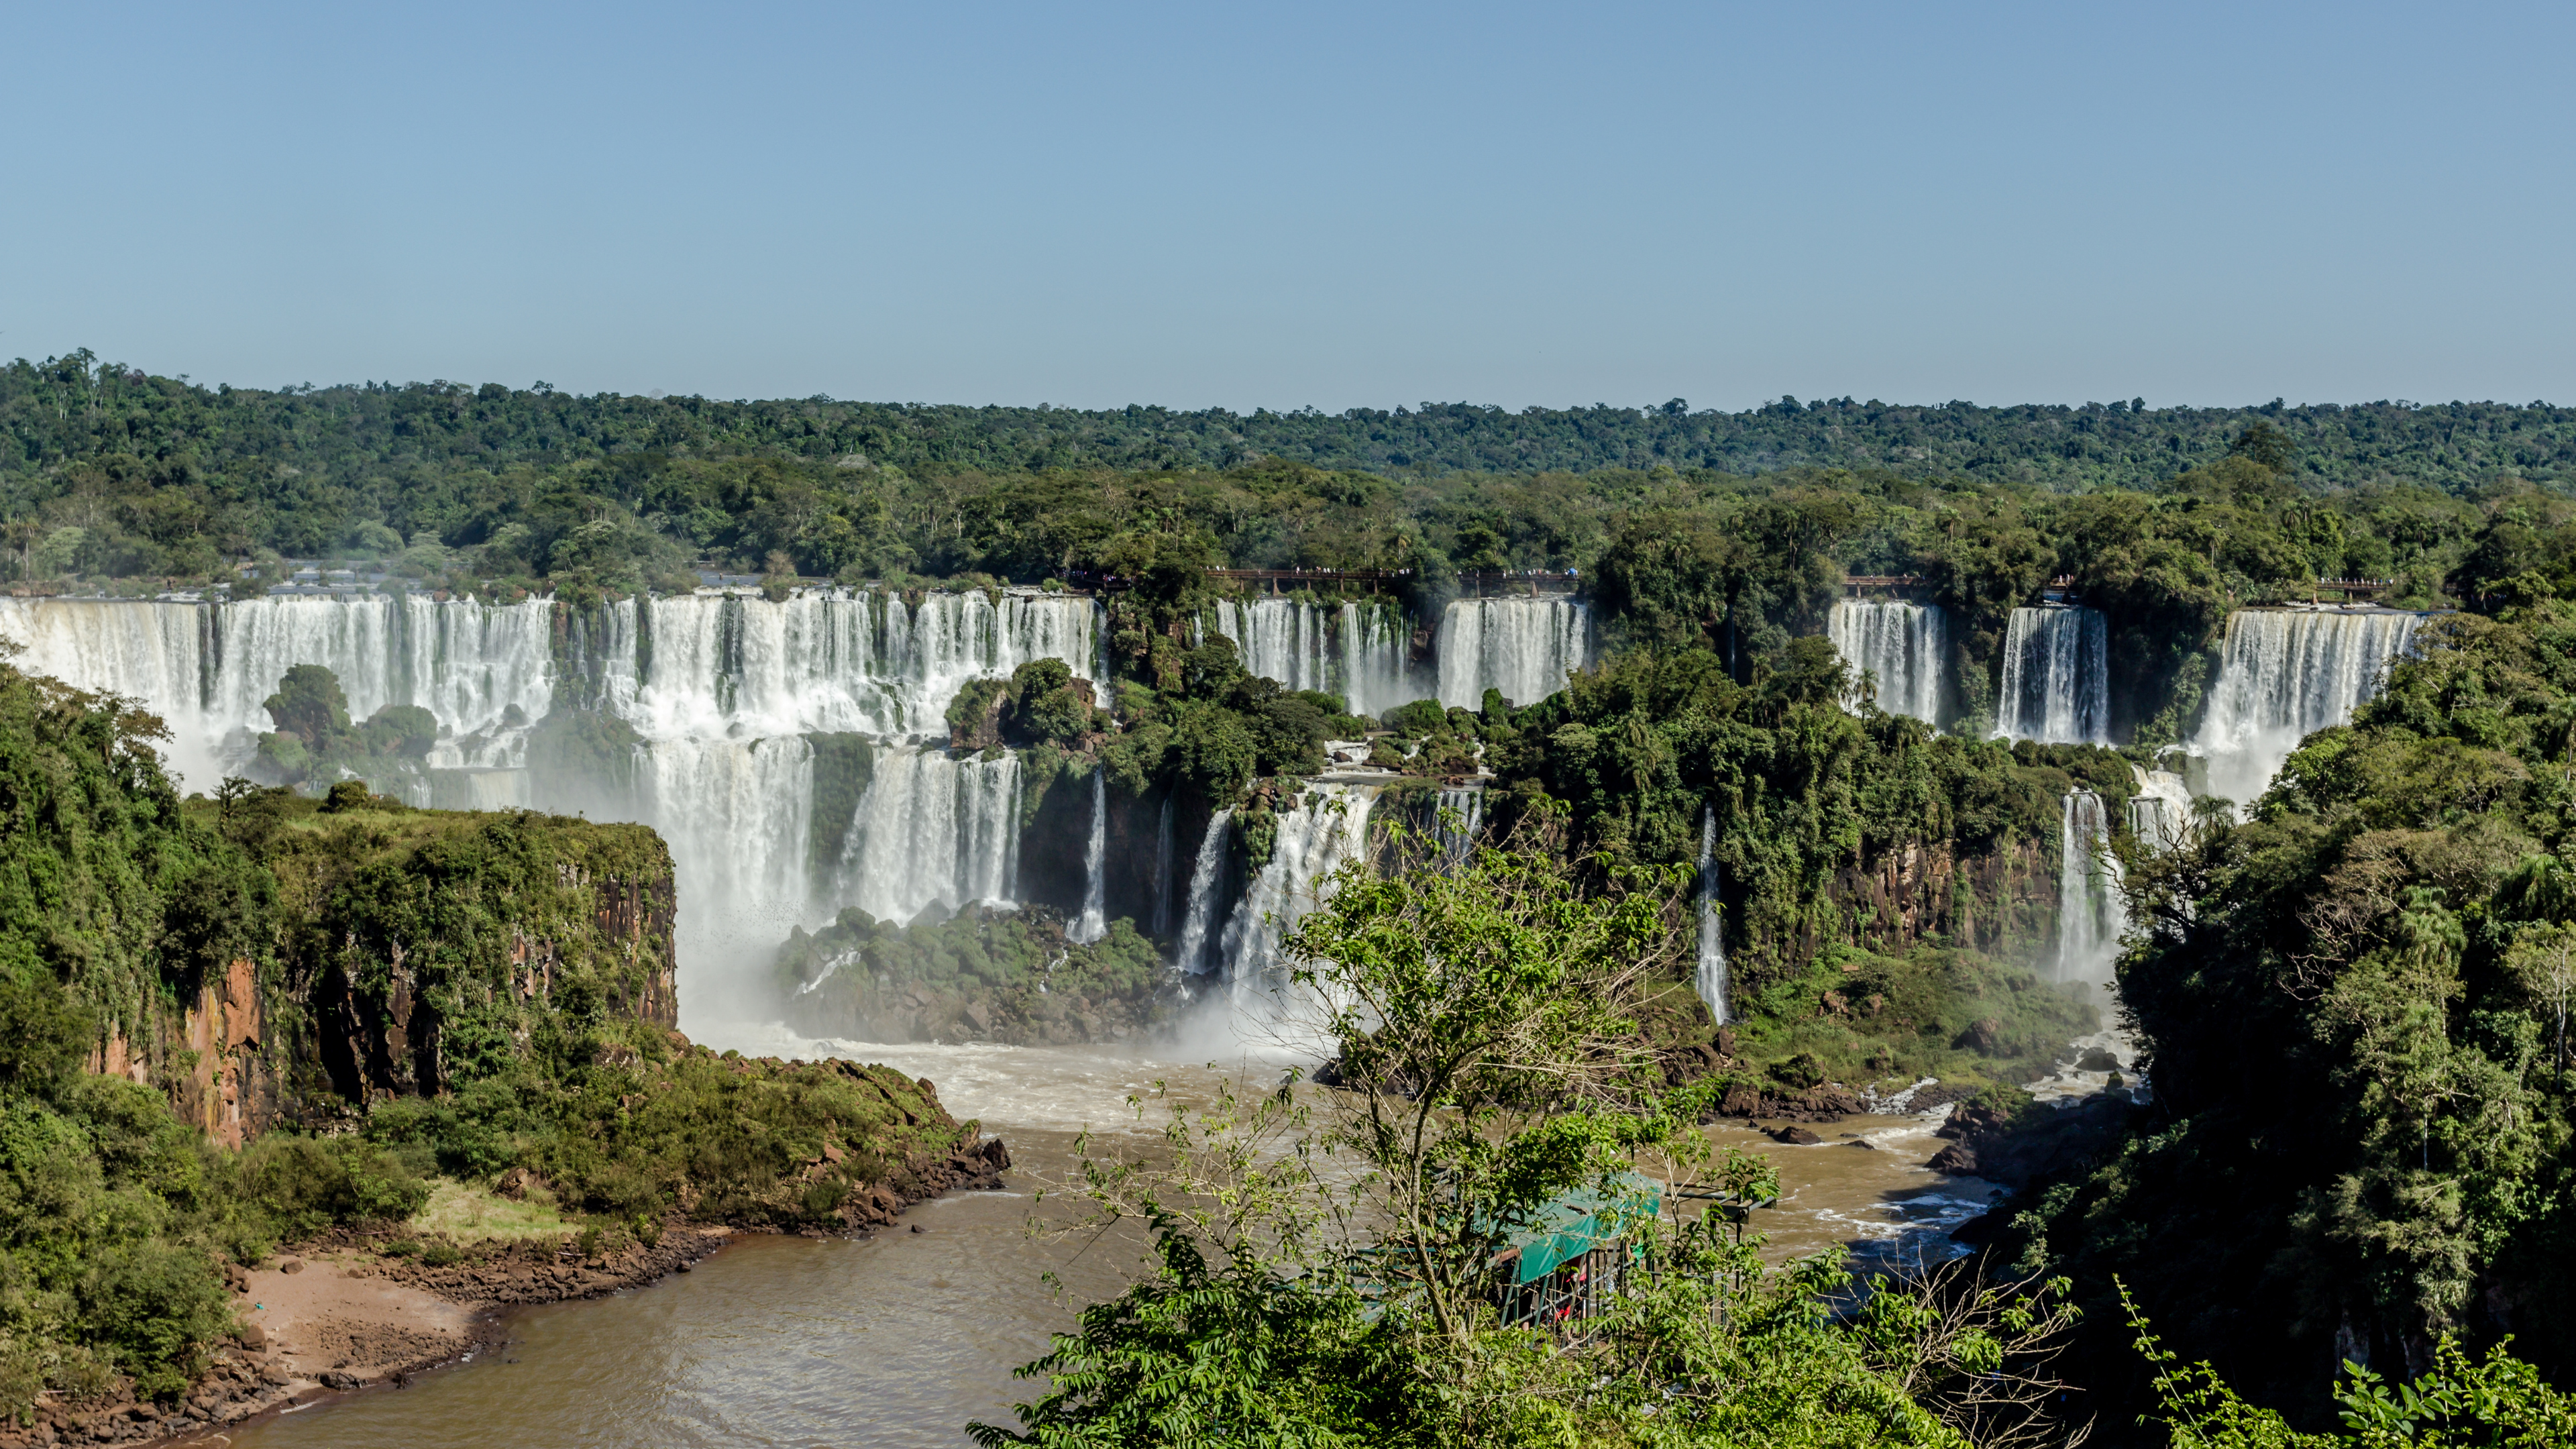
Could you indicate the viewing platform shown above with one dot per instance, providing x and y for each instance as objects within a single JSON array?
[{"x": 1863, "y": 586}]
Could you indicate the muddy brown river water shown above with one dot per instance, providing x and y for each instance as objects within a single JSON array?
[{"x": 900, "y": 1340}]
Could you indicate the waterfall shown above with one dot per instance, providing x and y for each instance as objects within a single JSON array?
[
  {"x": 2160, "y": 809},
  {"x": 1201, "y": 911},
  {"x": 1710, "y": 979},
  {"x": 735, "y": 815},
  {"x": 1281, "y": 639},
  {"x": 1906, "y": 645},
  {"x": 1310, "y": 841},
  {"x": 934, "y": 832},
  {"x": 1523, "y": 647},
  {"x": 1163, "y": 872},
  {"x": 205, "y": 668},
  {"x": 2285, "y": 674},
  {"x": 2090, "y": 915},
  {"x": 2057, "y": 678},
  {"x": 159, "y": 653},
  {"x": 864, "y": 664},
  {"x": 1377, "y": 642},
  {"x": 1460, "y": 814},
  {"x": 721, "y": 690},
  {"x": 1354, "y": 650},
  {"x": 1094, "y": 922}
]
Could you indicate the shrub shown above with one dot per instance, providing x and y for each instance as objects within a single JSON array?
[{"x": 307, "y": 1184}]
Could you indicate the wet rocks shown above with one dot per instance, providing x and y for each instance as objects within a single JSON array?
[
  {"x": 1828, "y": 1103},
  {"x": 1794, "y": 1136},
  {"x": 2015, "y": 1146}
]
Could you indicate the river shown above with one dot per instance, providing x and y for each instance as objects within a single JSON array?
[{"x": 901, "y": 1339}]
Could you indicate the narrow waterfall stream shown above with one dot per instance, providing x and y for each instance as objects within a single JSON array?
[
  {"x": 2090, "y": 915},
  {"x": 1199, "y": 916},
  {"x": 1093, "y": 923},
  {"x": 1458, "y": 814},
  {"x": 1328, "y": 829},
  {"x": 1163, "y": 872},
  {"x": 1906, "y": 646},
  {"x": 1710, "y": 977}
]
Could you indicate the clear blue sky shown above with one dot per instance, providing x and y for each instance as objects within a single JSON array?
[{"x": 1318, "y": 204}]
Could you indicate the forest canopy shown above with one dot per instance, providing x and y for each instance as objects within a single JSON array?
[{"x": 110, "y": 472}]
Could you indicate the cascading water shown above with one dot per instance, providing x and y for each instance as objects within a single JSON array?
[
  {"x": 205, "y": 668},
  {"x": 1458, "y": 816},
  {"x": 1094, "y": 921},
  {"x": 734, "y": 814},
  {"x": 1354, "y": 650},
  {"x": 2160, "y": 810},
  {"x": 1523, "y": 647},
  {"x": 1163, "y": 872},
  {"x": 864, "y": 664},
  {"x": 719, "y": 691},
  {"x": 1281, "y": 639},
  {"x": 934, "y": 832},
  {"x": 2090, "y": 915},
  {"x": 1710, "y": 978},
  {"x": 1330, "y": 827},
  {"x": 2284, "y": 675},
  {"x": 2057, "y": 678},
  {"x": 1377, "y": 673},
  {"x": 1907, "y": 646},
  {"x": 1199, "y": 917}
]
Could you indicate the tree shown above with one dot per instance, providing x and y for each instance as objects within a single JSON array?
[{"x": 1324, "y": 1266}]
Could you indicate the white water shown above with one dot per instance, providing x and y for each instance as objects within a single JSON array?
[
  {"x": 1907, "y": 646},
  {"x": 1354, "y": 650},
  {"x": 864, "y": 664},
  {"x": 1094, "y": 923},
  {"x": 1710, "y": 979},
  {"x": 933, "y": 832},
  {"x": 2057, "y": 678},
  {"x": 1163, "y": 872},
  {"x": 2090, "y": 915},
  {"x": 735, "y": 814},
  {"x": 1377, "y": 670},
  {"x": 1281, "y": 639},
  {"x": 1200, "y": 915},
  {"x": 1523, "y": 647},
  {"x": 2284, "y": 675},
  {"x": 2160, "y": 810},
  {"x": 205, "y": 668},
  {"x": 721, "y": 689},
  {"x": 1460, "y": 814},
  {"x": 1311, "y": 840}
]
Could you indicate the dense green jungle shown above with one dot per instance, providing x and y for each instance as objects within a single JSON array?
[{"x": 2348, "y": 1189}]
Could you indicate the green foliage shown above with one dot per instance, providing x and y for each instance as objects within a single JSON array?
[
  {"x": 1803, "y": 791},
  {"x": 307, "y": 1184},
  {"x": 314, "y": 741},
  {"x": 2496, "y": 1401},
  {"x": 1020, "y": 971},
  {"x": 610, "y": 486},
  {"x": 1325, "y": 1268},
  {"x": 1202, "y": 1355},
  {"x": 640, "y": 1126},
  {"x": 2351, "y": 1005}
]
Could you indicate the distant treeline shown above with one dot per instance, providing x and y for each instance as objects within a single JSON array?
[{"x": 73, "y": 406}]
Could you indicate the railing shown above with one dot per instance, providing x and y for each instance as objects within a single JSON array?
[{"x": 1888, "y": 583}]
